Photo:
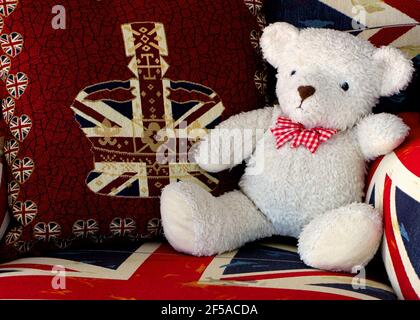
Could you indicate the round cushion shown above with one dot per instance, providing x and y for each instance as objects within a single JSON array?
[{"x": 394, "y": 188}]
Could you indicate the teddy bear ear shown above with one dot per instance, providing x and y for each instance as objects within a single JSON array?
[
  {"x": 275, "y": 38},
  {"x": 398, "y": 70}
]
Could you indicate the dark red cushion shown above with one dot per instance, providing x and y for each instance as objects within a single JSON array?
[
  {"x": 84, "y": 103},
  {"x": 4, "y": 216}
]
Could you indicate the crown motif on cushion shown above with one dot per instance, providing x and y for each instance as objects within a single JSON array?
[{"x": 123, "y": 120}]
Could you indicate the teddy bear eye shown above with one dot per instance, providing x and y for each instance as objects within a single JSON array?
[
  {"x": 345, "y": 86},
  {"x": 293, "y": 73}
]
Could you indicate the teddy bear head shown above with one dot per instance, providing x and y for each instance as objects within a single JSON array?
[{"x": 330, "y": 78}]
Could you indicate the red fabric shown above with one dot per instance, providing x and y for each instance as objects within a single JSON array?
[
  {"x": 4, "y": 217},
  {"x": 257, "y": 272},
  {"x": 411, "y": 143},
  {"x": 286, "y": 130},
  {"x": 386, "y": 36},
  {"x": 123, "y": 78},
  {"x": 408, "y": 7}
]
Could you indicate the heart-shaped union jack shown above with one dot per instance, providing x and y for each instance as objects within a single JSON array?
[
  {"x": 254, "y": 6},
  {"x": 11, "y": 149},
  {"x": 22, "y": 169},
  {"x": 7, "y": 7},
  {"x": 122, "y": 227},
  {"x": 47, "y": 231},
  {"x": 25, "y": 212},
  {"x": 20, "y": 127},
  {"x": 16, "y": 84},
  {"x": 8, "y": 109},
  {"x": 85, "y": 228},
  {"x": 13, "y": 235},
  {"x": 13, "y": 189},
  {"x": 12, "y": 44},
  {"x": 5, "y": 65}
]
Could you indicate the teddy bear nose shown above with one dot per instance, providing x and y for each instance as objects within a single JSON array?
[{"x": 306, "y": 91}]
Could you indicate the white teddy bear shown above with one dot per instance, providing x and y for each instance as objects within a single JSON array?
[{"x": 312, "y": 149}]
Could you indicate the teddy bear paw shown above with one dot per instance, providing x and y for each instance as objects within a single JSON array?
[
  {"x": 183, "y": 210},
  {"x": 343, "y": 239}
]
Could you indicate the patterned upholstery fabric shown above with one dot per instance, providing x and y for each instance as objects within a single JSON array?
[
  {"x": 4, "y": 216},
  {"x": 394, "y": 188},
  {"x": 267, "y": 270}
]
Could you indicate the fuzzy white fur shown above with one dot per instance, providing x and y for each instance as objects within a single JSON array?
[{"x": 313, "y": 197}]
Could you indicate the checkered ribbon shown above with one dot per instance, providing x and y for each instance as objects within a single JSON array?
[{"x": 286, "y": 130}]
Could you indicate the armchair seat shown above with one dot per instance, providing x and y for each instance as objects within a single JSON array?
[{"x": 264, "y": 270}]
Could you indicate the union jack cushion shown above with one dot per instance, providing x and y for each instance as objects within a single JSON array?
[
  {"x": 266, "y": 270},
  {"x": 382, "y": 22},
  {"x": 394, "y": 188},
  {"x": 103, "y": 120}
]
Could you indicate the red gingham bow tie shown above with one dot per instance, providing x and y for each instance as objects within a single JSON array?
[{"x": 286, "y": 130}]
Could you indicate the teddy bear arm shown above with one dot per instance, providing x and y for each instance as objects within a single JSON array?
[
  {"x": 232, "y": 141},
  {"x": 380, "y": 134}
]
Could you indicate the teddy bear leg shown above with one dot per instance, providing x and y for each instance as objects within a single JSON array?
[
  {"x": 197, "y": 223},
  {"x": 342, "y": 239}
]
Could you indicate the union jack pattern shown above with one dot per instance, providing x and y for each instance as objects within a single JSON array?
[
  {"x": 22, "y": 169},
  {"x": 61, "y": 243},
  {"x": 85, "y": 228},
  {"x": 393, "y": 23},
  {"x": 16, "y": 84},
  {"x": 393, "y": 189},
  {"x": 20, "y": 127},
  {"x": 25, "y": 212},
  {"x": 255, "y": 39},
  {"x": 13, "y": 190},
  {"x": 5, "y": 65},
  {"x": 154, "y": 228},
  {"x": 125, "y": 132},
  {"x": 7, "y": 7},
  {"x": 4, "y": 214},
  {"x": 13, "y": 235},
  {"x": 260, "y": 78},
  {"x": 11, "y": 149},
  {"x": 254, "y": 6},
  {"x": 385, "y": 22},
  {"x": 23, "y": 246},
  {"x": 253, "y": 267},
  {"x": 122, "y": 227},
  {"x": 12, "y": 44},
  {"x": 1, "y": 24},
  {"x": 261, "y": 81},
  {"x": 259, "y": 271},
  {"x": 47, "y": 231},
  {"x": 8, "y": 109},
  {"x": 373, "y": 22},
  {"x": 261, "y": 21}
]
